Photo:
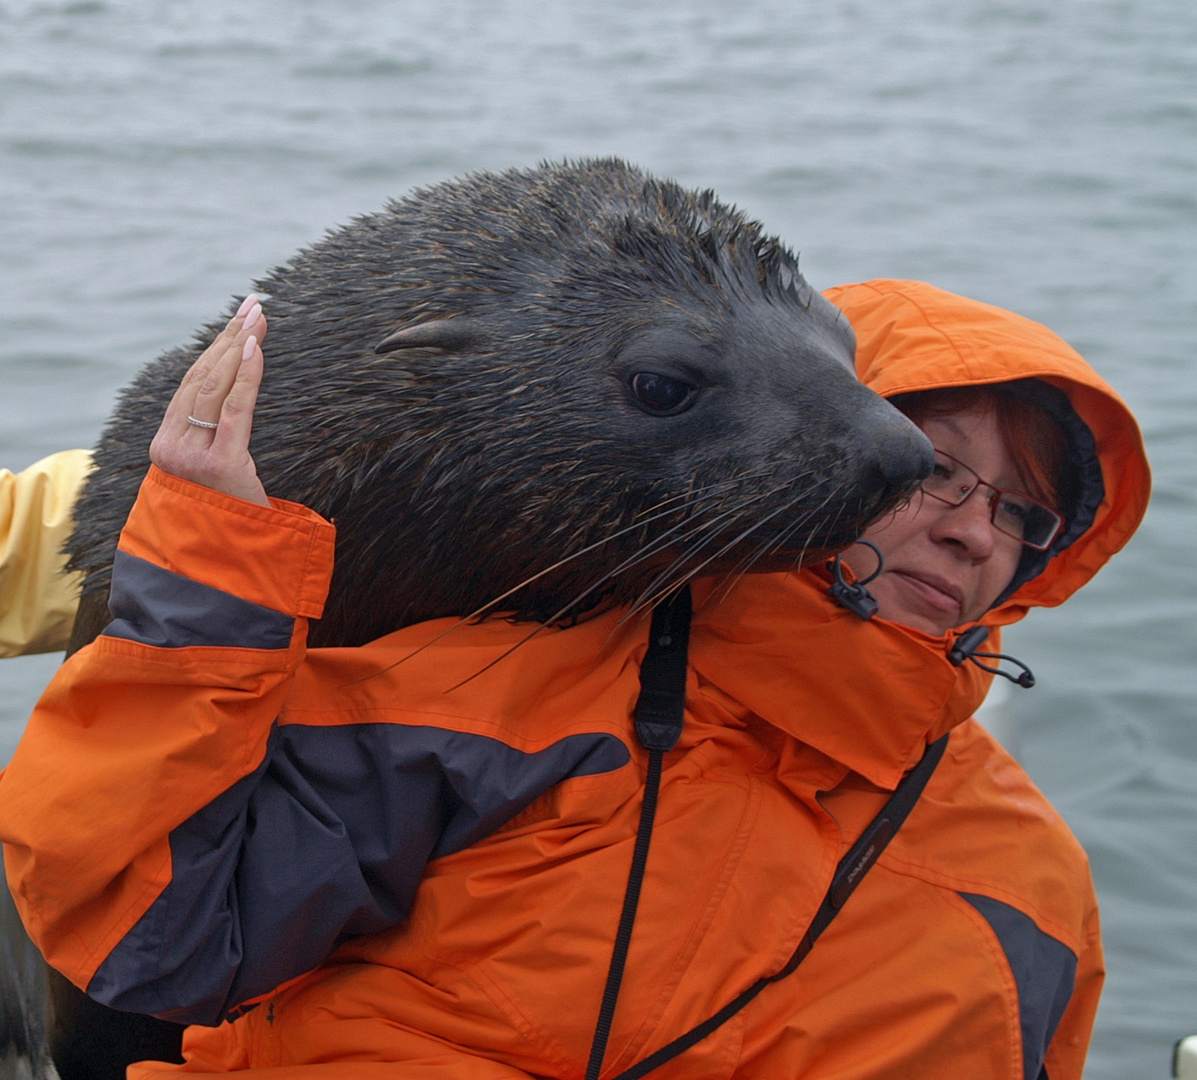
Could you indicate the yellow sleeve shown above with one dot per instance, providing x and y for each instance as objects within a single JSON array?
[{"x": 37, "y": 599}]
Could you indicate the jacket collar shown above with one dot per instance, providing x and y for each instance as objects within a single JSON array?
[{"x": 870, "y": 695}]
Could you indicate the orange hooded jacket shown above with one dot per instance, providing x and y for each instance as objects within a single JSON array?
[{"x": 350, "y": 866}]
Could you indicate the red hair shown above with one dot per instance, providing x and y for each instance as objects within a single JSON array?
[{"x": 1034, "y": 441}]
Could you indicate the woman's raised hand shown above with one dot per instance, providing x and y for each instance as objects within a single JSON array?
[{"x": 204, "y": 435}]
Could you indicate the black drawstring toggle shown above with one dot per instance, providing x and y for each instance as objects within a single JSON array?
[
  {"x": 965, "y": 648},
  {"x": 855, "y": 597}
]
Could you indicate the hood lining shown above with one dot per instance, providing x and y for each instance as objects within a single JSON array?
[{"x": 1084, "y": 465}]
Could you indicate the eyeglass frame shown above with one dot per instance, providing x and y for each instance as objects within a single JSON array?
[{"x": 994, "y": 500}]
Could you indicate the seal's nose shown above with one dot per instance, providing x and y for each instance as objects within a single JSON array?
[{"x": 903, "y": 455}]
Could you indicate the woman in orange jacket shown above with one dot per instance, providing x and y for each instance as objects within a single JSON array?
[{"x": 334, "y": 866}]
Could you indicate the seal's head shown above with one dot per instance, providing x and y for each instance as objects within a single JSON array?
[{"x": 530, "y": 391}]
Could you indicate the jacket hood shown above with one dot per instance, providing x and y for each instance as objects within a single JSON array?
[{"x": 912, "y": 336}]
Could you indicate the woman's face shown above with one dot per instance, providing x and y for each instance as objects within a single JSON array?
[{"x": 946, "y": 565}]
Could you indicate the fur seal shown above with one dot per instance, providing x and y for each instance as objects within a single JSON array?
[
  {"x": 529, "y": 392},
  {"x": 532, "y": 390}
]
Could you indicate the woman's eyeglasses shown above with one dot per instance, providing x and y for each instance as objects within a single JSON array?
[{"x": 1013, "y": 513}]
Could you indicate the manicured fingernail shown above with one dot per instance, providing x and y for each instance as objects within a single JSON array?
[
  {"x": 246, "y": 304},
  {"x": 254, "y": 313},
  {"x": 250, "y": 344}
]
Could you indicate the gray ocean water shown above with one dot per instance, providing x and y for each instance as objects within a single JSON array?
[{"x": 155, "y": 156}]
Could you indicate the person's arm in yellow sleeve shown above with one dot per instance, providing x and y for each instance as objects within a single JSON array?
[{"x": 37, "y": 599}]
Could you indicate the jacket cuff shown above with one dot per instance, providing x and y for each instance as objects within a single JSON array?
[{"x": 278, "y": 556}]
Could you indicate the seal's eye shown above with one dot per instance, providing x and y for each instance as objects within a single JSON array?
[{"x": 662, "y": 395}]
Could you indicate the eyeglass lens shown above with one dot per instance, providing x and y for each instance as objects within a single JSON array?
[{"x": 1011, "y": 512}]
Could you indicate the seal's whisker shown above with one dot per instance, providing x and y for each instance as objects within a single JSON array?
[
  {"x": 711, "y": 528},
  {"x": 744, "y": 567},
  {"x": 507, "y": 652},
  {"x": 664, "y": 540},
  {"x": 639, "y": 556},
  {"x": 812, "y": 514},
  {"x": 710, "y": 489},
  {"x": 790, "y": 529},
  {"x": 829, "y": 526},
  {"x": 649, "y": 596},
  {"x": 704, "y": 494},
  {"x": 492, "y": 604},
  {"x": 762, "y": 549}
]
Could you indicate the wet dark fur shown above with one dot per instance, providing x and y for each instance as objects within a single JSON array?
[{"x": 460, "y": 466}]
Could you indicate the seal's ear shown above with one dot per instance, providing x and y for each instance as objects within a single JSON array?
[{"x": 455, "y": 334}]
